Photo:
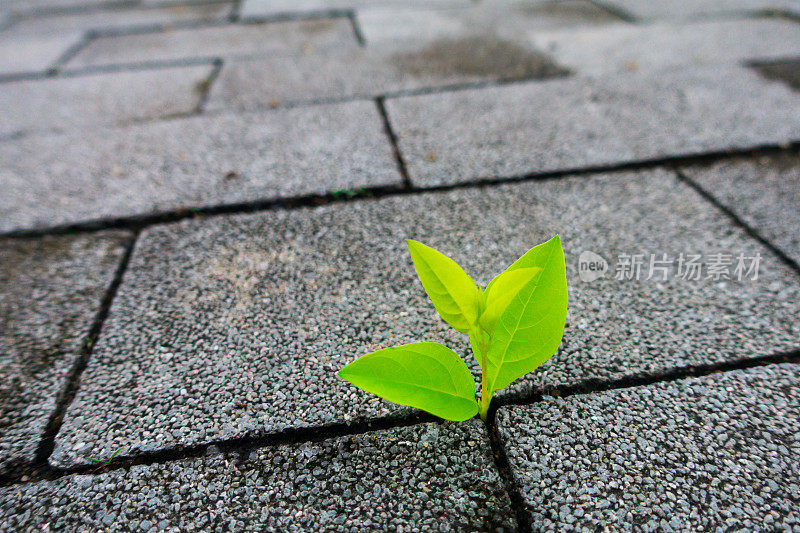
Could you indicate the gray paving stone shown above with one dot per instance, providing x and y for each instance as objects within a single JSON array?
[
  {"x": 33, "y": 54},
  {"x": 574, "y": 123},
  {"x": 38, "y": 7},
  {"x": 289, "y": 38},
  {"x": 122, "y": 18},
  {"x": 50, "y": 291},
  {"x": 191, "y": 162},
  {"x": 690, "y": 9},
  {"x": 102, "y": 99},
  {"x": 510, "y": 20},
  {"x": 707, "y": 454},
  {"x": 623, "y": 47},
  {"x": 237, "y": 325},
  {"x": 257, "y": 9},
  {"x": 420, "y": 478},
  {"x": 253, "y": 84},
  {"x": 764, "y": 192}
]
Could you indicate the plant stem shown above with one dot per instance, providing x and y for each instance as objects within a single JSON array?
[{"x": 485, "y": 398}]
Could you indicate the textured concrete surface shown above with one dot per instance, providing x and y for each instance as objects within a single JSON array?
[
  {"x": 234, "y": 326},
  {"x": 764, "y": 193},
  {"x": 511, "y": 20},
  {"x": 696, "y": 9},
  {"x": 192, "y": 162},
  {"x": 50, "y": 291},
  {"x": 101, "y": 99},
  {"x": 561, "y": 124},
  {"x": 122, "y": 18},
  {"x": 260, "y": 83},
  {"x": 713, "y": 453},
  {"x": 275, "y": 38},
  {"x": 426, "y": 477},
  {"x": 33, "y": 53},
  {"x": 622, "y": 47},
  {"x": 257, "y": 9}
]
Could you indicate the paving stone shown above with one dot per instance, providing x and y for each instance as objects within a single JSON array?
[
  {"x": 712, "y": 453},
  {"x": 191, "y": 162},
  {"x": 252, "y": 84},
  {"x": 509, "y": 20},
  {"x": 39, "y": 7},
  {"x": 123, "y": 18},
  {"x": 108, "y": 98},
  {"x": 689, "y": 9},
  {"x": 420, "y": 478},
  {"x": 258, "y": 9},
  {"x": 50, "y": 292},
  {"x": 33, "y": 54},
  {"x": 290, "y": 38},
  {"x": 559, "y": 124},
  {"x": 764, "y": 192},
  {"x": 624, "y": 47},
  {"x": 237, "y": 325}
]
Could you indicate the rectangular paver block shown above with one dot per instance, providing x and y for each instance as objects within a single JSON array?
[
  {"x": 763, "y": 192},
  {"x": 101, "y": 99},
  {"x": 231, "y": 40},
  {"x": 50, "y": 291},
  {"x": 234, "y": 326},
  {"x": 693, "y": 9},
  {"x": 258, "y": 9},
  {"x": 563, "y": 124},
  {"x": 425, "y": 477},
  {"x": 511, "y": 21},
  {"x": 711, "y": 453},
  {"x": 191, "y": 162},
  {"x": 33, "y": 53},
  {"x": 372, "y": 71},
  {"x": 122, "y": 18},
  {"x": 623, "y": 47}
]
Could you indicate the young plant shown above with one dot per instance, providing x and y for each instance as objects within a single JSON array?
[{"x": 515, "y": 324}]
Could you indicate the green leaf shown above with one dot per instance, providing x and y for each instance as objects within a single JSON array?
[
  {"x": 425, "y": 375},
  {"x": 499, "y": 295},
  {"x": 529, "y": 330},
  {"x": 453, "y": 293}
]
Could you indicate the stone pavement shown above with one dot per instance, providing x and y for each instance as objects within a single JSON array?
[{"x": 203, "y": 214}]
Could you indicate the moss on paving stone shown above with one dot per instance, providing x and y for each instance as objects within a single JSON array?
[
  {"x": 235, "y": 326},
  {"x": 435, "y": 477},
  {"x": 712, "y": 453},
  {"x": 50, "y": 292}
]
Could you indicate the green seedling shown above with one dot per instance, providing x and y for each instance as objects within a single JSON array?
[
  {"x": 104, "y": 462},
  {"x": 515, "y": 324}
]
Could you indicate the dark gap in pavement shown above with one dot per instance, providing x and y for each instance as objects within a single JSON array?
[
  {"x": 504, "y": 468},
  {"x": 737, "y": 221},
  {"x": 67, "y": 394},
  {"x": 621, "y": 14},
  {"x": 398, "y": 155},
  {"x": 786, "y": 70},
  {"x": 204, "y": 87},
  {"x": 359, "y": 35},
  {"x": 69, "y": 53},
  {"x": 138, "y": 222}
]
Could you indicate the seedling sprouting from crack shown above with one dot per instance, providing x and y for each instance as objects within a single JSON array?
[
  {"x": 515, "y": 324},
  {"x": 104, "y": 462}
]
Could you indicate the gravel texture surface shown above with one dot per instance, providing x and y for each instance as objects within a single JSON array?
[
  {"x": 387, "y": 24},
  {"x": 624, "y": 47},
  {"x": 288, "y": 38},
  {"x": 237, "y": 325},
  {"x": 423, "y": 478},
  {"x": 84, "y": 101},
  {"x": 698, "y": 9},
  {"x": 192, "y": 162},
  {"x": 33, "y": 53},
  {"x": 717, "y": 453},
  {"x": 371, "y": 71},
  {"x": 573, "y": 123},
  {"x": 764, "y": 193},
  {"x": 50, "y": 291}
]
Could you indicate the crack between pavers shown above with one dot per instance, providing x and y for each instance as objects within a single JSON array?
[
  {"x": 615, "y": 11},
  {"x": 357, "y": 33},
  {"x": 390, "y": 133},
  {"x": 367, "y": 193},
  {"x": 205, "y": 86},
  {"x": 70, "y": 389},
  {"x": 43, "y": 471},
  {"x": 736, "y": 220}
]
